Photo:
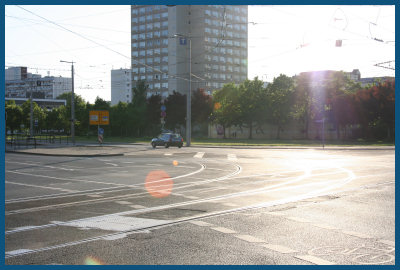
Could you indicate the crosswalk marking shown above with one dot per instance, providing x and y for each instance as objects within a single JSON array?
[{"x": 199, "y": 155}]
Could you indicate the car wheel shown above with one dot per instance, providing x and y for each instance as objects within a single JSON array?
[
  {"x": 154, "y": 145},
  {"x": 166, "y": 145},
  {"x": 179, "y": 146}
]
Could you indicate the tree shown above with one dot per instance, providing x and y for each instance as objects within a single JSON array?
[
  {"x": 202, "y": 106},
  {"x": 153, "y": 114},
  {"x": 14, "y": 116},
  {"x": 279, "y": 97},
  {"x": 252, "y": 101},
  {"x": 226, "y": 111},
  {"x": 80, "y": 111},
  {"x": 176, "y": 111},
  {"x": 138, "y": 107}
]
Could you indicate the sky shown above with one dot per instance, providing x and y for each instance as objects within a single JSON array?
[{"x": 281, "y": 40}]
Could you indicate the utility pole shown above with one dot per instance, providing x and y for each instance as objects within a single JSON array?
[
  {"x": 182, "y": 41},
  {"x": 72, "y": 102},
  {"x": 31, "y": 114}
]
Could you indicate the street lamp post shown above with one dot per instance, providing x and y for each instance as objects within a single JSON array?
[
  {"x": 72, "y": 102},
  {"x": 31, "y": 112},
  {"x": 189, "y": 95}
]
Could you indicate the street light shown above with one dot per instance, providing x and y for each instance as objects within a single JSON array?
[
  {"x": 182, "y": 41},
  {"x": 72, "y": 102}
]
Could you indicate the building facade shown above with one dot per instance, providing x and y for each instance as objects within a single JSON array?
[
  {"x": 166, "y": 40},
  {"x": 19, "y": 84},
  {"x": 121, "y": 86}
]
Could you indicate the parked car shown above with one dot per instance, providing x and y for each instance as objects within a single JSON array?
[{"x": 167, "y": 140}]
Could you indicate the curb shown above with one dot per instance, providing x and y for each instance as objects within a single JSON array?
[{"x": 66, "y": 155}]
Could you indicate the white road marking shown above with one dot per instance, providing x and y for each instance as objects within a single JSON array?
[
  {"x": 222, "y": 229},
  {"x": 39, "y": 165},
  {"x": 230, "y": 204},
  {"x": 279, "y": 248},
  {"x": 357, "y": 234},
  {"x": 249, "y": 238},
  {"x": 137, "y": 206},
  {"x": 314, "y": 260},
  {"x": 191, "y": 197},
  {"x": 232, "y": 157},
  {"x": 299, "y": 219},
  {"x": 200, "y": 223},
  {"x": 388, "y": 242},
  {"x": 199, "y": 155},
  {"x": 279, "y": 214},
  {"x": 115, "y": 223},
  {"x": 36, "y": 186},
  {"x": 324, "y": 226},
  {"x": 18, "y": 251},
  {"x": 112, "y": 164},
  {"x": 167, "y": 154},
  {"x": 115, "y": 237},
  {"x": 123, "y": 202},
  {"x": 94, "y": 196}
]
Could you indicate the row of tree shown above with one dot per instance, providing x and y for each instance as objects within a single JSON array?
[
  {"x": 329, "y": 97},
  {"x": 305, "y": 99}
]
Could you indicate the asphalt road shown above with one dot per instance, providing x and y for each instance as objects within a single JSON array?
[{"x": 202, "y": 206}]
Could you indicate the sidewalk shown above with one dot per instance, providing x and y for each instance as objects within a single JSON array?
[
  {"x": 88, "y": 149},
  {"x": 79, "y": 150}
]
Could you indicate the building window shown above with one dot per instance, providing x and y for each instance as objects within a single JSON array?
[
  {"x": 142, "y": 44},
  {"x": 149, "y": 60},
  {"x": 165, "y": 41},
  {"x": 142, "y": 53},
  {"x": 164, "y": 85},
  {"x": 165, "y": 58},
  {"x": 142, "y": 27},
  {"x": 135, "y": 36},
  {"x": 157, "y": 51},
  {"x": 149, "y": 9},
  {"x": 149, "y": 26},
  {"x": 142, "y": 36},
  {"x": 157, "y": 85},
  {"x": 135, "y": 53},
  {"x": 142, "y": 19},
  {"x": 149, "y": 17},
  {"x": 164, "y": 15},
  {"x": 142, "y": 70},
  {"x": 135, "y": 11},
  {"x": 135, "y": 20},
  {"x": 156, "y": 25},
  {"x": 164, "y": 24},
  {"x": 134, "y": 45},
  {"x": 156, "y": 59},
  {"x": 164, "y": 33},
  {"x": 164, "y": 50},
  {"x": 149, "y": 35},
  {"x": 164, "y": 68}
]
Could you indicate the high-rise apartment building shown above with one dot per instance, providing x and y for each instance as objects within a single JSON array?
[
  {"x": 164, "y": 38},
  {"x": 121, "y": 86}
]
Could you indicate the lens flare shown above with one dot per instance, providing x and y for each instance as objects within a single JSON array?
[
  {"x": 159, "y": 184},
  {"x": 175, "y": 163},
  {"x": 91, "y": 260}
]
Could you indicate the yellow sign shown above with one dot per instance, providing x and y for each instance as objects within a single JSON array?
[{"x": 99, "y": 118}]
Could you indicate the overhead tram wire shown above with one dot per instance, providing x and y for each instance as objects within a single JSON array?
[{"x": 102, "y": 45}]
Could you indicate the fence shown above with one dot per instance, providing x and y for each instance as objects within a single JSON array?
[{"x": 20, "y": 141}]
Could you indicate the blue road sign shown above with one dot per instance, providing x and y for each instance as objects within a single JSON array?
[
  {"x": 101, "y": 131},
  {"x": 182, "y": 41},
  {"x": 163, "y": 108}
]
